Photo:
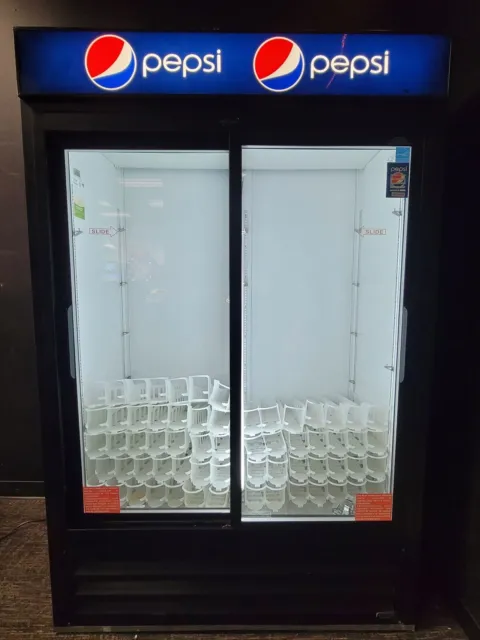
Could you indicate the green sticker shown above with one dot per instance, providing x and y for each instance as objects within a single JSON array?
[
  {"x": 77, "y": 195},
  {"x": 79, "y": 210}
]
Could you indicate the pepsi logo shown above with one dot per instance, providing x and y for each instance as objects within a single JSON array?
[
  {"x": 278, "y": 64},
  {"x": 110, "y": 62}
]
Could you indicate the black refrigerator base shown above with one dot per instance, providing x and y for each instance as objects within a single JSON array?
[
  {"x": 222, "y": 579},
  {"x": 221, "y": 628}
]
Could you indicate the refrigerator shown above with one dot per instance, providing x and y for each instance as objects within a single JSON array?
[{"x": 234, "y": 244}]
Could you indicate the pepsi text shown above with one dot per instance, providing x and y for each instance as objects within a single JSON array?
[
  {"x": 358, "y": 65},
  {"x": 191, "y": 63}
]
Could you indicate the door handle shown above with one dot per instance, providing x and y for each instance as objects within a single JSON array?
[
  {"x": 403, "y": 344},
  {"x": 71, "y": 342}
]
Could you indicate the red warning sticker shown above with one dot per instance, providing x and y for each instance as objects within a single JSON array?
[
  {"x": 370, "y": 507},
  {"x": 101, "y": 499}
]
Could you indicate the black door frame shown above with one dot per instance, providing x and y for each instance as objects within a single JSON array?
[{"x": 47, "y": 125}]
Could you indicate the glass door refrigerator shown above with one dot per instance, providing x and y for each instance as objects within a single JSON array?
[{"x": 230, "y": 235}]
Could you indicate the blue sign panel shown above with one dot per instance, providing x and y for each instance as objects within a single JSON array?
[{"x": 86, "y": 62}]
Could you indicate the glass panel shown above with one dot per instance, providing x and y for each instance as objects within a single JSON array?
[
  {"x": 149, "y": 257},
  {"x": 323, "y": 253}
]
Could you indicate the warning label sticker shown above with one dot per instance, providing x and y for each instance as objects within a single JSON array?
[
  {"x": 371, "y": 507},
  {"x": 101, "y": 499}
]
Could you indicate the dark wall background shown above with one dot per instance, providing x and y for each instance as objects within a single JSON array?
[{"x": 20, "y": 458}]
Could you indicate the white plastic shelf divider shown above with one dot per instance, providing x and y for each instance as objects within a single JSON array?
[{"x": 220, "y": 396}]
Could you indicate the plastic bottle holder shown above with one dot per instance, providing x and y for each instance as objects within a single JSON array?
[
  {"x": 293, "y": 418},
  {"x": 155, "y": 493},
  {"x": 317, "y": 493},
  {"x": 256, "y": 470},
  {"x": 116, "y": 445},
  {"x": 221, "y": 446},
  {"x": 277, "y": 471},
  {"x": 357, "y": 443},
  {"x": 376, "y": 486},
  {"x": 274, "y": 497},
  {"x": 157, "y": 392},
  {"x": 354, "y": 489},
  {"x": 156, "y": 443},
  {"x": 296, "y": 444},
  {"x": 317, "y": 442},
  {"x": 174, "y": 494},
  {"x": 143, "y": 468},
  {"x": 122, "y": 490},
  {"x": 194, "y": 497},
  {"x": 136, "y": 391},
  {"x": 217, "y": 499},
  {"x": 271, "y": 419},
  {"x": 104, "y": 469},
  {"x": 137, "y": 444},
  {"x": 137, "y": 417},
  {"x": 378, "y": 419},
  {"x": 199, "y": 388},
  {"x": 96, "y": 445},
  {"x": 124, "y": 468},
  {"x": 377, "y": 444},
  {"x": 177, "y": 442},
  {"x": 336, "y": 416},
  {"x": 275, "y": 444},
  {"x": 117, "y": 419},
  {"x": 162, "y": 468},
  {"x": 181, "y": 468},
  {"x": 317, "y": 469},
  {"x": 336, "y": 493},
  {"x": 377, "y": 468},
  {"x": 255, "y": 499},
  {"x": 93, "y": 481},
  {"x": 357, "y": 417},
  {"x": 298, "y": 492},
  {"x": 112, "y": 393},
  {"x": 198, "y": 419},
  {"x": 220, "y": 396},
  {"x": 337, "y": 444},
  {"x": 177, "y": 390},
  {"x": 200, "y": 473},
  {"x": 157, "y": 417},
  {"x": 315, "y": 415},
  {"x": 356, "y": 470},
  {"x": 201, "y": 446},
  {"x": 136, "y": 494},
  {"x": 220, "y": 474},
  {"x": 252, "y": 422},
  {"x": 96, "y": 420},
  {"x": 255, "y": 447},
  {"x": 298, "y": 469},
  {"x": 177, "y": 417},
  {"x": 337, "y": 470},
  {"x": 219, "y": 422}
]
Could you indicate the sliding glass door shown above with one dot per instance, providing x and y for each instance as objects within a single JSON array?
[
  {"x": 150, "y": 327},
  {"x": 318, "y": 300},
  {"x": 323, "y": 247}
]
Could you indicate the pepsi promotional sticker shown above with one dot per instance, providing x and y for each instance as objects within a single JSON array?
[{"x": 397, "y": 180}]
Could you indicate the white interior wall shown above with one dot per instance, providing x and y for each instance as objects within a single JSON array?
[
  {"x": 178, "y": 271},
  {"x": 97, "y": 270},
  {"x": 376, "y": 311},
  {"x": 301, "y": 226}
]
